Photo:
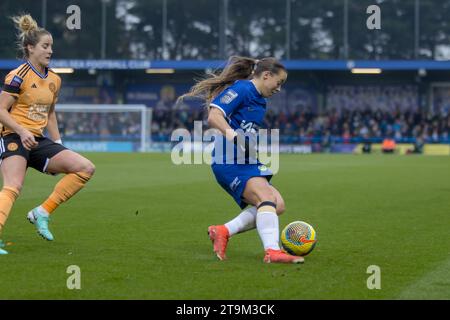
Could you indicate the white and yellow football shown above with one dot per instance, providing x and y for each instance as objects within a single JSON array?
[{"x": 298, "y": 238}]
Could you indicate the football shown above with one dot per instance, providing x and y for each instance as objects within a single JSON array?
[{"x": 298, "y": 238}]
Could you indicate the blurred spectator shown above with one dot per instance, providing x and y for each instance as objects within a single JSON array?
[
  {"x": 326, "y": 142},
  {"x": 367, "y": 144},
  {"x": 418, "y": 146},
  {"x": 388, "y": 145}
]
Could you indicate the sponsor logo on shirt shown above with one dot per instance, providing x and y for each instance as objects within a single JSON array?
[
  {"x": 229, "y": 96},
  {"x": 16, "y": 82}
]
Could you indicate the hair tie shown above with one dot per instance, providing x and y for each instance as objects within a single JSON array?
[{"x": 256, "y": 65}]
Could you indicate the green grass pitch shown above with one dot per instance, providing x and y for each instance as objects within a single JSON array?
[{"x": 138, "y": 231}]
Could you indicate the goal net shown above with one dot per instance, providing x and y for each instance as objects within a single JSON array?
[{"x": 105, "y": 127}]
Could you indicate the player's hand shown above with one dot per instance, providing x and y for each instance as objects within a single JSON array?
[
  {"x": 241, "y": 142},
  {"x": 28, "y": 140},
  {"x": 247, "y": 143}
]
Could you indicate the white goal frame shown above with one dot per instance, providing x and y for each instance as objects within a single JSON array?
[{"x": 146, "y": 115}]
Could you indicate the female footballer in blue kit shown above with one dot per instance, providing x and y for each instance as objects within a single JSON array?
[{"x": 237, "y": 105}]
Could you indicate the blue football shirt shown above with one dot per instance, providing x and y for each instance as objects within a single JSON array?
[{"x": 244, "y": 108}]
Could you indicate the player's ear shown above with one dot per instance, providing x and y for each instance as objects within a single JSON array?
[
  {"x": 30, "y": 48},
  {"x": 266, "y": 75}
]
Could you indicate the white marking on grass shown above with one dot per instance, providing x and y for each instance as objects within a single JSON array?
[{"x": 434, "y": 285}]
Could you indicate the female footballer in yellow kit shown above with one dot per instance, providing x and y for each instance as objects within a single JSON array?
[{"x": 27, "y": 107}]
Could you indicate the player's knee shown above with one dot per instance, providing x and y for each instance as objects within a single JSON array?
[
  {"x": 271, "y": 198},
  {"x": 268, "y": 197},
  {"x": 88, "y": 167},
  {"x": 281, "y": 207}
]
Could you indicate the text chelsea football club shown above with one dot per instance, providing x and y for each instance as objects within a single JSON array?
[{"x": 227, "y": 309}]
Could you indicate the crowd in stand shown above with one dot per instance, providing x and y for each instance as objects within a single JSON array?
[
  {"x": 362, "y": 124},
  {"x": 85, "y": 125},
  {"x": 401, "y": 98},
  {"x": 352, "y": 113}
]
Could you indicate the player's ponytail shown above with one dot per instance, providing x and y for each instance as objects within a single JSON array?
[
  {"x": 29, "y": 33},
  {"x": 238, "y": 68},
  {"x": 25, "y": 23}
]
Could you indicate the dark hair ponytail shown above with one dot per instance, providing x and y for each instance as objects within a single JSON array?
[{"x": 237, "y": 68}]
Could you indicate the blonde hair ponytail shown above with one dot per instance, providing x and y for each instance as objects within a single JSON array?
[
  {"x": 25, "y": 23},
  {"x": 29, "y": 32}
]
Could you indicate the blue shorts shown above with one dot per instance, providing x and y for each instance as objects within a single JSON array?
[{"x": 233, "y": 178}]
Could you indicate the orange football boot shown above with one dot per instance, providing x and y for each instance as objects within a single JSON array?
[
  {"x": 219, "y": 236},
  {"x": 278, "y": 256}
]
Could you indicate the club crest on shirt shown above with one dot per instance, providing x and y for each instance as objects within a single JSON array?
[
  {"x": 52, "y": 87},
  {"x": 229, "y": 96},
  {"x": 12, "y": 146}
]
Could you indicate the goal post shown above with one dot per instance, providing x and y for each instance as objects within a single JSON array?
[{"x": 105, "y": 127}]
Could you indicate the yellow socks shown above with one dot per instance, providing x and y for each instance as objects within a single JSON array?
[
  {"x": 7, "y": 197},
  {"x": 65, "y": 189}
]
